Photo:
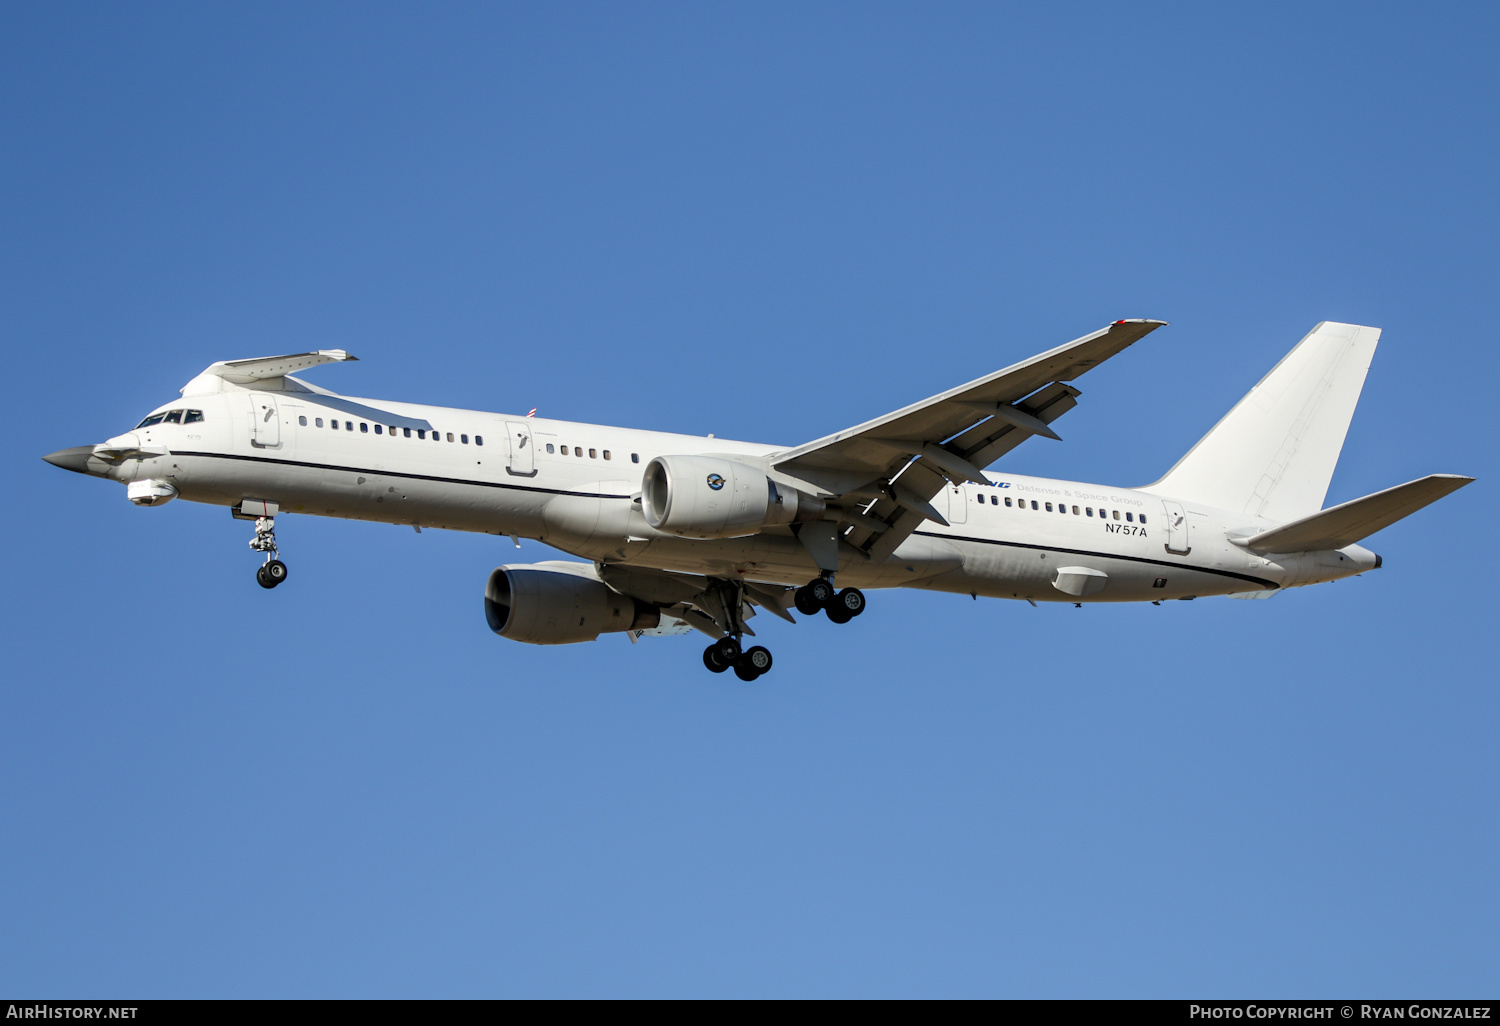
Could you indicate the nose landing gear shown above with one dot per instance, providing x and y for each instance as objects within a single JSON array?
[{"x": 273, "y": 571}]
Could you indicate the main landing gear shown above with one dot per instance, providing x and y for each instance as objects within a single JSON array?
[
  {"x": 841, "y": 606},
  {"x": 747, "y": 664},
  {"x": 750, "y": 663},
  {"x": 273, "y": 571}
]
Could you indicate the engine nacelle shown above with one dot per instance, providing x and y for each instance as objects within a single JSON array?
[
  {"x": 710, "y": 497},
  {"x": 559, "y": 603}
]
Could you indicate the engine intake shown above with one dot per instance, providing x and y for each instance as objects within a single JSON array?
[
  {"x": 559, "y": 603},
  {"x": 710, "y": 497}
]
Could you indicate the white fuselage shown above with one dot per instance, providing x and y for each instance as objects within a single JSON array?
[{"x": 1001, "y": 541}]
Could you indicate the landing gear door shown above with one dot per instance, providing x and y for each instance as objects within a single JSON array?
[
  {"x": 522, "y": 450},
  {"x": 1177, "y": 529},
  {"x": 265, "y": 421}
]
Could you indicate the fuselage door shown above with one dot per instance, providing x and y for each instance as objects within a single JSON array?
[
  {"x": 1177, "y": 529},
  {"x": 265, "y": 421},
  {"x": 522, "y": 450},
  {"x": 958, "y": 504}
]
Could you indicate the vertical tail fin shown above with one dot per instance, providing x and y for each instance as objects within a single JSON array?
[{"x": 1274, "y": 453}]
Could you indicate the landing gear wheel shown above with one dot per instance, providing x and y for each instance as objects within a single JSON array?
[
  {"x": 752, "y": 663},
  {"x": 260, "y": 577},
  {"x": 838, "y": 614},
  {"x": 822, "y": 591},
  {"x": 852, "y": 600},
  {"x": 275, "y": 572},
  {"x": 728, "y": 648},
  {"x": 713, "y": 660},
  {"x": 806, "y": 603}
]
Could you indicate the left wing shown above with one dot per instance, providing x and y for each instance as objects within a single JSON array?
[{"x": 889, "y": 469}]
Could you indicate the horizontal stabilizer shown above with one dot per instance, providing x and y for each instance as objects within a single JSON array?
[{"x": 1349, "y": 522}]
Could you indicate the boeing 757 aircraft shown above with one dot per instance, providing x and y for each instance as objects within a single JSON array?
[{"x": 675, "y": 532}]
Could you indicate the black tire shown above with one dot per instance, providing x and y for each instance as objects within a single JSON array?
[
  {"x": 712, "y": 661},
  {"x": 853, "y": 601},
  {"x": 275, "y": 572},
  {"x": 729, "y": 650},
  {"x": 758, "y": 659},
  {"x": 821, "y": 591},
  {"x": 838, "y": 614},
  {"x": 260, "y": 578},
  {"x": 744, "y": 671},
  {"x": 806, "y": 602}
]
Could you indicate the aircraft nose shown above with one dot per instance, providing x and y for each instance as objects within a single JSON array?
[{"x": 75, "y": 459}]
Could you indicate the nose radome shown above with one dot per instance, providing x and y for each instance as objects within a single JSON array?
[{"x": 75, "y": 459}]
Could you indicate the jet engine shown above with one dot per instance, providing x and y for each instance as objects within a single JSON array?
[
  {"x": 559, "y": 603},
  {"x": 710, "y": 497}
]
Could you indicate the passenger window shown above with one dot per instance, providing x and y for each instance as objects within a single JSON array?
[
  {"x": 1049, "y": 507},
  {"x": 1034, "y": 505},
  {"x": 377, "y": 428},
  {"x": 406, "y": 432},
  {"x": 593, "y": 454},
  {"x": 175, "y": 417},
  {"x": 1116, "y": 513},
  {"x": 348, "y": 425},
  {"x": 333, "y": 424},
  {"x": 1088, "y": 511},
  {"x": 422, "y": 433},
  {"x": 1075, "y": 511},
  {"x": 317, "y": 421},
  {"x": 635, "y": 457},
  {"x": 302, "y": 421},
  {"x": 464, "y": 439},
  {"x": 193, "y": 417},
  {"x": 478, "y": 439},
  {"x": 1143, "y": 518},
  {"x": 981, "y": 500},
  {"x": 549, "y": 446},
  {"x": 450, "y": 436},
  {"x": 1130, "y": 517},
  {"x": 155, "y": 418},
  {"x": 364, "y": 428},
  {"x": 994, "y": 500},
  {"x": 1007, "y": 500},
  {"x": 565, "y": 450},
  {"x": 606, "y": 454},
  {"x": 578, "y": 451}
]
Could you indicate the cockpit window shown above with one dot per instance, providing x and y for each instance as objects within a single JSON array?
[{"x": 172, "y": 417}]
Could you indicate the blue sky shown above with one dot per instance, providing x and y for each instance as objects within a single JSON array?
[{"x": 766, "y": 222}]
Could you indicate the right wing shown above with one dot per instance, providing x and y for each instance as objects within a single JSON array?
[{"x": 885, "y": 472}]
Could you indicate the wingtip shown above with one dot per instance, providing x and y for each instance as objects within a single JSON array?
[{"x": 1142, "y": 320}]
